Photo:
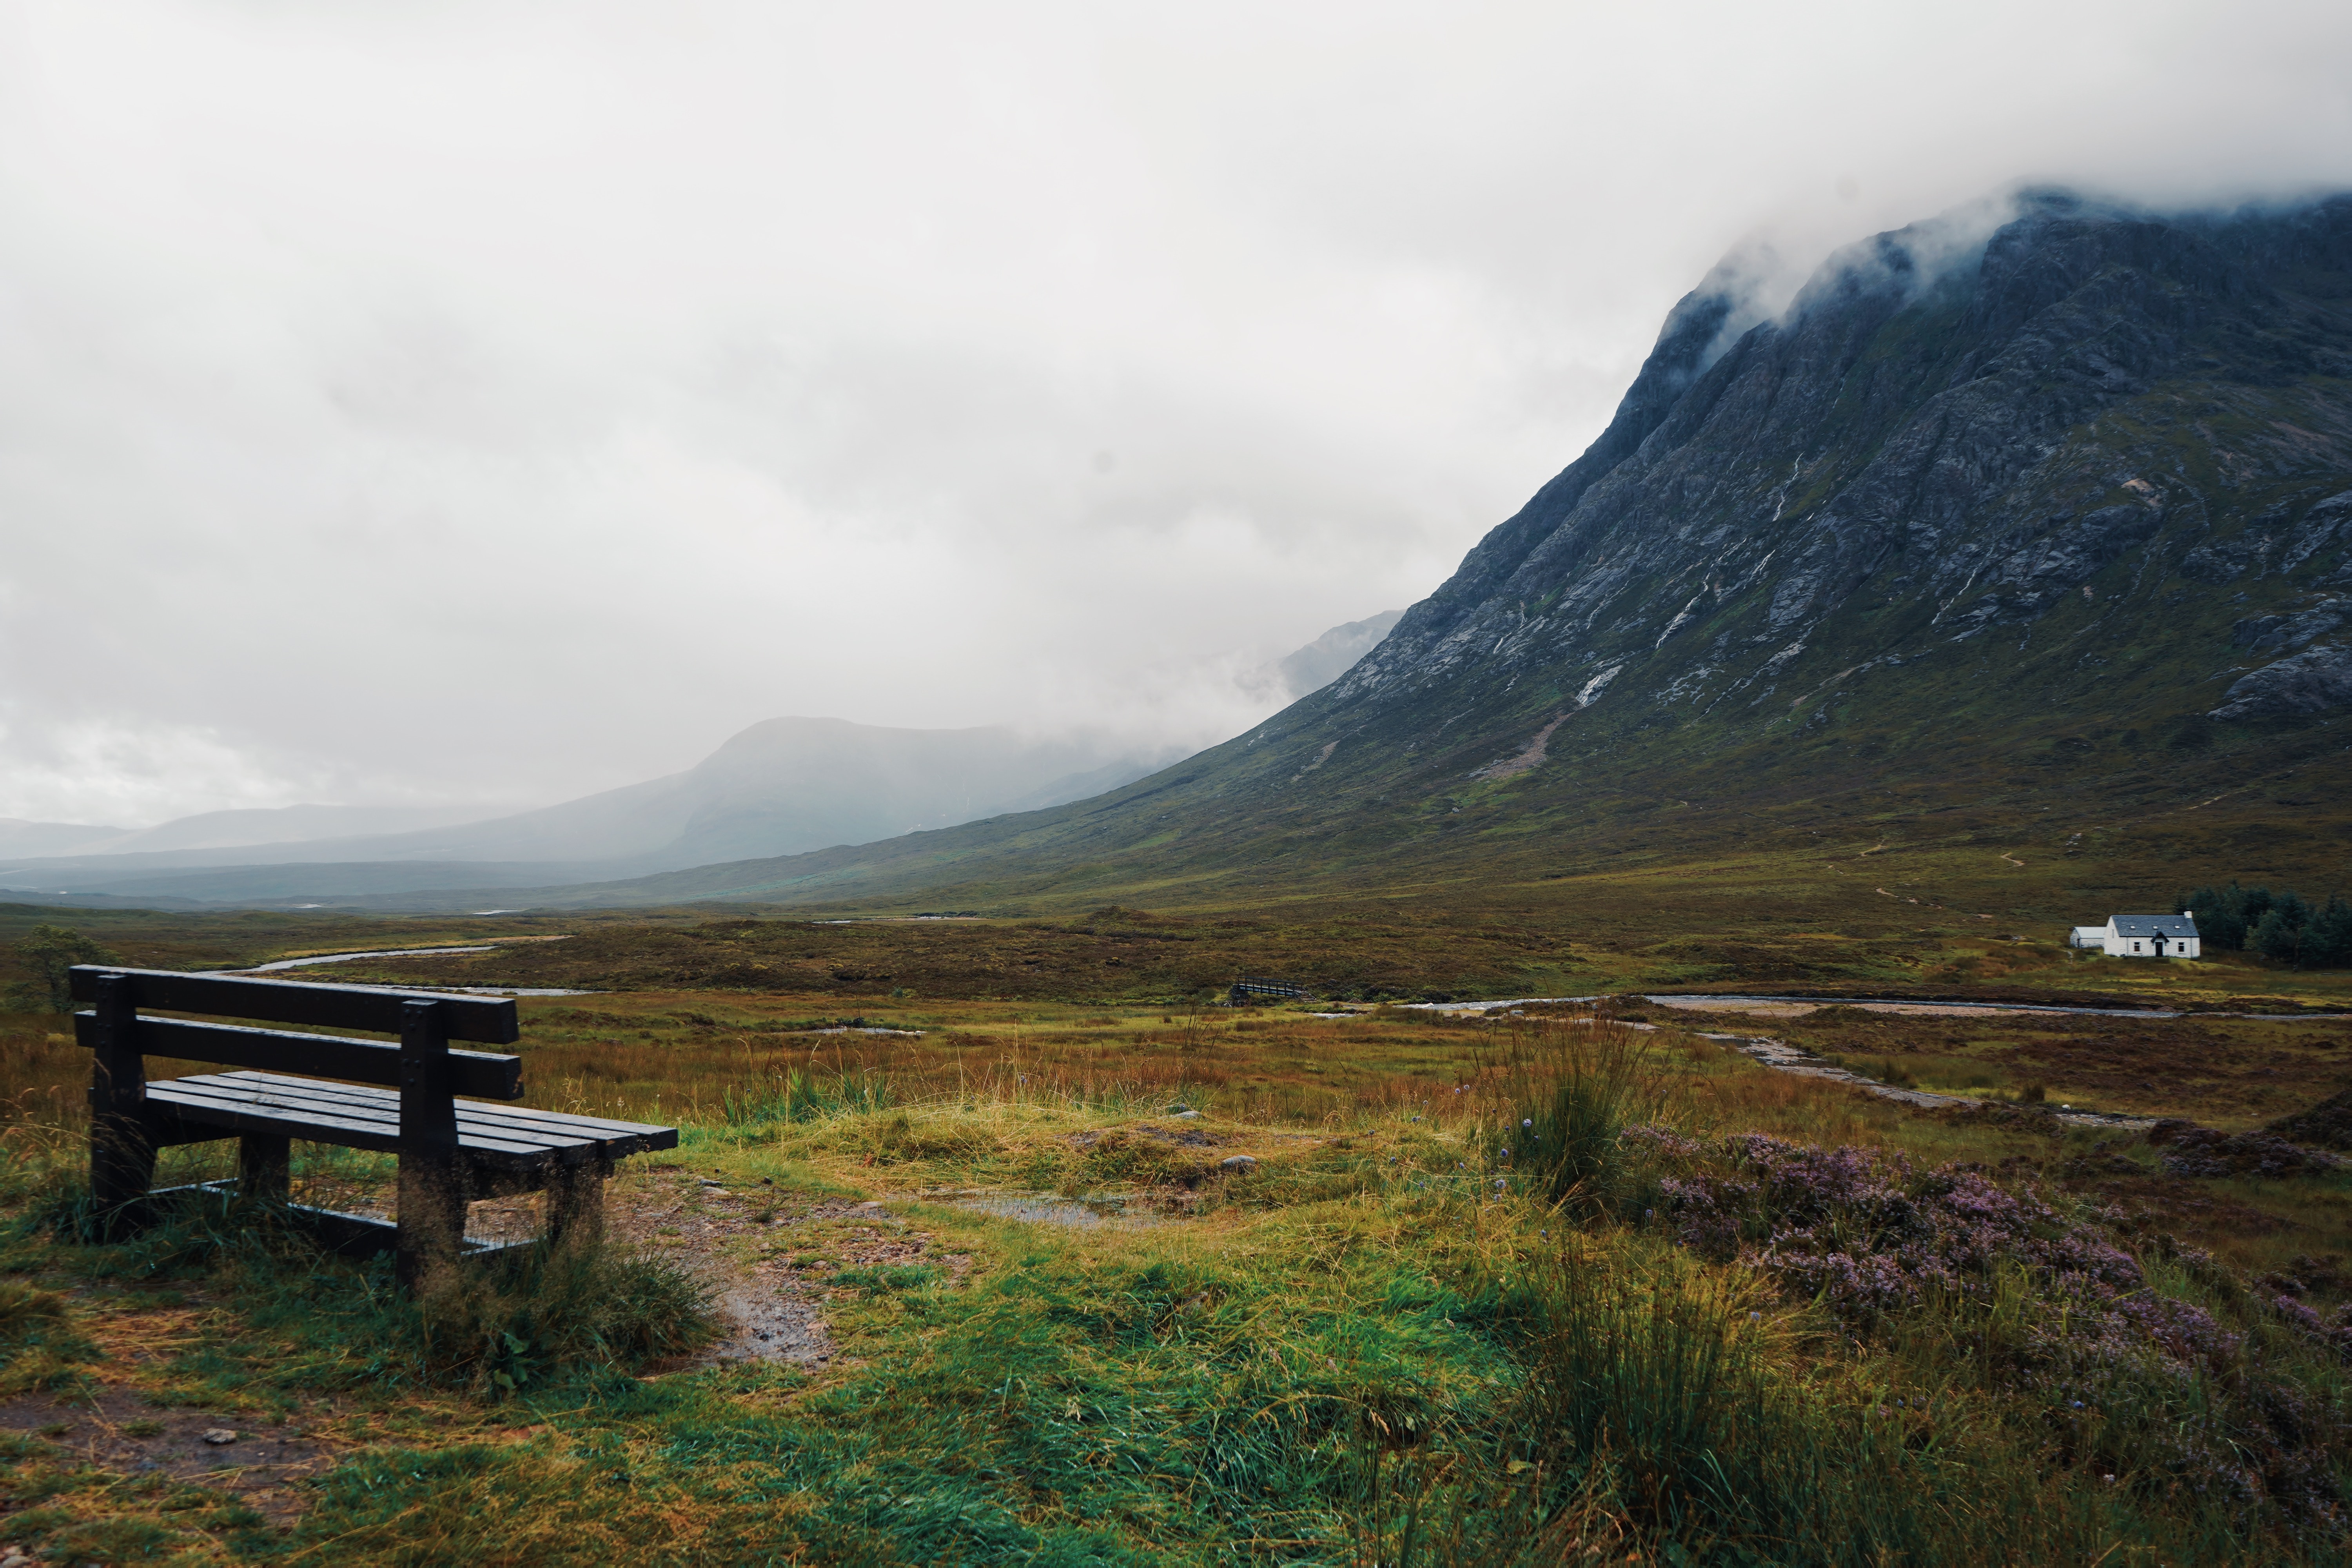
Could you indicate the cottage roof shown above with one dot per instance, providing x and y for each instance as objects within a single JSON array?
[{"x": 2155, "y": 925}]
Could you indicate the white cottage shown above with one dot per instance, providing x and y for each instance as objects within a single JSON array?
[{"x": 2143, "y": 936}]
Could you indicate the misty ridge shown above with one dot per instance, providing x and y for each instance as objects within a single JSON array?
[{"x": 781, "y": 787}]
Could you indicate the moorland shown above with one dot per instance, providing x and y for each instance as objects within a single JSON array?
[{"x": 976, "y": 1182}]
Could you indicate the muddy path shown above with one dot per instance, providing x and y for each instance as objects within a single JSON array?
[{"x": 773, "y": 1260}]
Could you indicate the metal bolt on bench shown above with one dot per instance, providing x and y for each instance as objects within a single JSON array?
[{"x": 451, "y": 1150}]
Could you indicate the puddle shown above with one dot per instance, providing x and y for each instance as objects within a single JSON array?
[
  {"x": 766, "y": 1326},
  {"x": 1490, "y": 1006},
  {"x": 1050, "y": 1208}
]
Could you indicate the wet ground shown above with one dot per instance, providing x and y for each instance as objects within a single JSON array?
[
  {"x": 1782, "y": 1057},
  {"x": 112, "y": 1422}
]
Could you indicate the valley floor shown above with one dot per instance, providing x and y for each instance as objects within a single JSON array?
[{"x": 986, "y": 1289}]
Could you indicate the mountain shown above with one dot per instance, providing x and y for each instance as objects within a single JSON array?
[
  {"x": 244, "y": 829},
  {"x": 1333, "y": 654},
  {"x": 2046, "y": 523},
  {"x": 779, "y": 787},
  {"x": 2032, "y": 538},
  {"x": 241, "y": 829},
  {"x": 18, "y": 836}
]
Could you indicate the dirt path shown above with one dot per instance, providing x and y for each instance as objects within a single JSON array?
[{"x": 773, "y": 1260}]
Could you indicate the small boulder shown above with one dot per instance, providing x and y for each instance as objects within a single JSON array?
[
  {"x": 219, "y": 1434},
  {"x": 1237, "y": 1164}
]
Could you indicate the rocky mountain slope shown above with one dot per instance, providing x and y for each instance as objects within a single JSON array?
[
  {"x": 2043, "y": 527},
  {"x": 2053, "y": 518}
]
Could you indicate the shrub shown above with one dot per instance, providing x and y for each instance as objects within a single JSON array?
[
  {"x": 1570, "y": 1091},
  {"x": 516, "y": 1321},
  {"x": 50, "y": 952}
]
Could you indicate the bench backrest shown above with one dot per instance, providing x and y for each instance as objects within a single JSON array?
[{"x": 426, "y": 1021}]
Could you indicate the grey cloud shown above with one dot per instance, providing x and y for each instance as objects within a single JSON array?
[{"x": 487, "y": 404}]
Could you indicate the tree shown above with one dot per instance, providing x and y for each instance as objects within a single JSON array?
[
  {"x": 2328, "y": 940},
  {"x": 2219, "y": 923},
  {"x": 2280, "y": 934},
  {"x": 50, "y": 952}
]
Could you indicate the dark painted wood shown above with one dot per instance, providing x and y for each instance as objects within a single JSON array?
[
  {"x": 487, "y": 1020},
  {"x": 122, "y": 1156},
  {"x": 432, "y": 1198},
  {"x": 177, "y": 1108},
  {"x": 449, "y": 1149},
  {"x": 374, "y": 1109},
  {"x": 265, "y": 1163},
  {"x": 493, "y": 1074}
]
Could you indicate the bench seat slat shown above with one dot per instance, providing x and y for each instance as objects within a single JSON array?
[
  {"x": 564, "y": 1121},
  {"x": 365, "y": 1117},
  {"x": 352, "y": 1103},
  {"x": 184, "y": 1102},
  {"x": 285, "y": 1099},
  {"x": 554, "y": 1129},
  {"x": 519, "y": 1120}
]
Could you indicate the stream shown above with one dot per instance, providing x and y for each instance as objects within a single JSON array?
[{"x": 285, "y": 964}]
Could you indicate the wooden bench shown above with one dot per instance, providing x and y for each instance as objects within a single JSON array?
[{"x": 451, "y": 1150}]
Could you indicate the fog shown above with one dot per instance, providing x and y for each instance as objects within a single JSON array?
[{"x": 497, "y": 401}]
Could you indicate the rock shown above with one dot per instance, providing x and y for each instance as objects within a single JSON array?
[
  {"x": 2310, "y": 682},
  {"x": 1186, "y": 1115},
  {"x": 2262, "y": 633},
  {"x": 219, "y": 1434},
  {"x": 1237, "y": 1164}
]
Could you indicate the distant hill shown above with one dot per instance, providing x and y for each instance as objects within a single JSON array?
[
  {"x": 20, "y": 838},
  {"x": 238, "y": 829},
  {"x": 1333, "y": 654},
  {"x": 780, "y": 787},
  {"x": 2042, "y": 535}
]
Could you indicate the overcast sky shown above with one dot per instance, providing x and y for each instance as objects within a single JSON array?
[{"x": 405, "y": 403}]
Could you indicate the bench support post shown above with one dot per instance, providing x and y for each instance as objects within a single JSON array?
[
  {"x": 432, "y": 1195},
  {"x": 122, "y": 1156},
  {"x": 575, "y": 1204},
  {"x": 265, "y": 1167}
]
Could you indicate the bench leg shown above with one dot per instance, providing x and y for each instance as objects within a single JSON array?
[
  {"x": 122, "y": 1155},
  {"x": 432, "y": 1217},
  {"x": 265, "y": 1167},
  {"x": 575, "y": 1206},
  {"x": 121, "y": 1168}
]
